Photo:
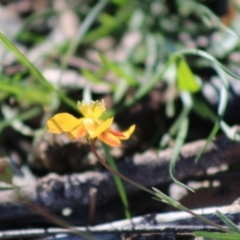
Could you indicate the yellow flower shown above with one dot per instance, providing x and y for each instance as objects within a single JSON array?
[{"x": 90, "y": 125}]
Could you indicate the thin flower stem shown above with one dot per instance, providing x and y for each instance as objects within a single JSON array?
[
  {"x": 207, "y": 221},
  {"x": 201, "y": 218},
  {"x": 118, "y": 173}
]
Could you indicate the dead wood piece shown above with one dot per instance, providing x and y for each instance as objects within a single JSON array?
[
  {"x": 161, "y": 226},
  {"x": 149, "y": 169}
]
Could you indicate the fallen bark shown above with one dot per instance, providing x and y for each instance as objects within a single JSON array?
[
  {"x": 163, "y": 225},
  {"x": 56, "y": 192}
]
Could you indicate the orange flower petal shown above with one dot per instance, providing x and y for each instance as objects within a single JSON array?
[
  {"x": 116, "y": 133},
  {"x": 123, "y": 135},
  {"x": 77, "y": 133},
  {"x": 62, "y": 123},
  {"x": 102, "y": 127},
  {"x": 110, "y": 139}
]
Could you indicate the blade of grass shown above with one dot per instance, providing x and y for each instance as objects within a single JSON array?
[
  {"x": 203, "y": 110},
  {"x": 179, "y": 141},
  {"x": 151, "y": 43},
  {"x": 221, "y": 109},
  {"x": 117, "y": 70},
  {"x": 160, "y": 196},
  {"x": 209, "y": 140},
  {"x": 181, "y": 135},
  {"x": 142, "y": 90},
  {"x": 120, "y": 91},
  {"x": 36, "y": 73},
  {"x": 105, "y": 29},
  {"x": 217, "y": 235},
  {"x": 210, "y": 18},
  {"x": 206, "y": 56},
  {"x": 228, "y": 222},
  {"x": 93, "y": 14},
  {"x": 145, "y": 88},
  {"x": 176, "y": 125},
  {"x": 32, "y": 18},
  {"x": 170, "y": 77},
  {"x": 20, "y": 117}
]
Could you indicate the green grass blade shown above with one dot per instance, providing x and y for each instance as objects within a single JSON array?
[
  {"x": 145, "y": 88},
  {"x": 203, "y": 110},
  {"x": 181, "y": 135},
  {"x": 21, "y": 117},
  {"x": 179, "y": 141},
  {"x": 209, "y": 139},
  {"x": 205, "y": 55},
  {"x": 222, "y": 48},
  {"x": 91, "y": 77},
  {"x": 118, "y": 181},
  {"x": 36, "y": 73},
  {"x": 217, "y": 236},
  {"x": 223, "y": 100},
  {"x": 187, "y": 99},
  {"x": 105, "y": 29},
  {"x": 228, "y": 222},
  {"x": 117, "y": 70},
  {"x": 82, "y": 30},
  {"x": 221, "y": 110},
  {"x": 120, "y": 91},
  {"x": 152, "y": 52},
  {"x": 32, "y": 18}
]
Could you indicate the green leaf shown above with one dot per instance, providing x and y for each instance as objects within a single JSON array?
[{"x": 185, "y": 78}]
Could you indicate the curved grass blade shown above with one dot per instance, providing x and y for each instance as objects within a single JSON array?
[
  {"x": 224, "y": 46},
  {"x": 223, "y": 97},
  {"x": 179, "y": 141},
  {"x": 206, "y": 56},
  {"x": 209, "y": 140},
  {"x": 181, "y": 135},
  {"x": 221, "y": 110}
]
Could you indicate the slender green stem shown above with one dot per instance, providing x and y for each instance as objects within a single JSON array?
[
  {"x": 210, "y": 222},
  {"x": 201, "y": 218},
  {"x": 137, "y": 185},
  {"x": 118, "y": 181}
]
